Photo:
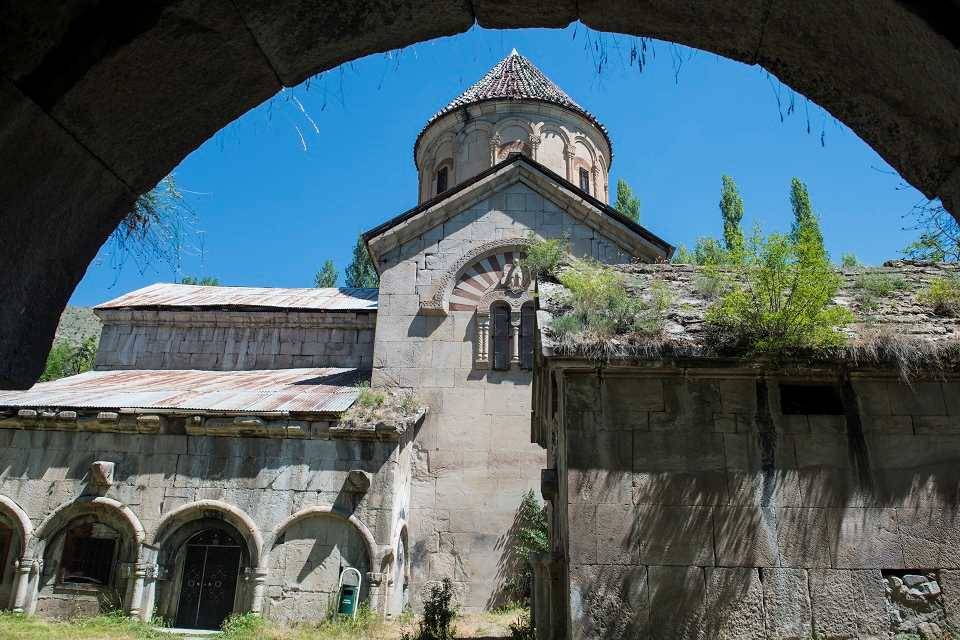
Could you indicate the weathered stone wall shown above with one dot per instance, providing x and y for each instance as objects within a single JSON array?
[
  {"x": 690, "y": 506},
  {"x": 234, "y": 340},
  {"x": 472, "y": 459},
  {"x": 288, "y": 500}
]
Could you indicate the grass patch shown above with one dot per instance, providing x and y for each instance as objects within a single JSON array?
[
  {"x": 15, "y": 626},
  {"x": 943, "y": 296},
  {"x": 370, "y": 398},
  {"x": 872, "y": 287},
  {"x": 366, "y": 626},
  {"x": 390, "y": 406}
]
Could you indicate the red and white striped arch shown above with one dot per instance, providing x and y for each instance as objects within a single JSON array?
[{"x": 481, "y": 278}]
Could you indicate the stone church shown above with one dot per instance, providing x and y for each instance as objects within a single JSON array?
[{"x": 208, "y": 465}]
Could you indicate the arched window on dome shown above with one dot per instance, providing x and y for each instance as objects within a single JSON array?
[
  {"x": 527, "y": 320},
  {"x": 500, "y": 335},
  {"x": 443, "y": 179},
  {"x": 584, "y": 179}
]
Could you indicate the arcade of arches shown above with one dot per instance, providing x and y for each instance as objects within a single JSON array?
[
  {"x": 200, "y": 564},
  {"x": 73, "y": 161}
]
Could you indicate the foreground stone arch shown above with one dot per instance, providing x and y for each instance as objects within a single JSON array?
[{"x": 74, "y": 161}]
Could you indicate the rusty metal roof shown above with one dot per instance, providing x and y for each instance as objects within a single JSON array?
[
  {"x": 280, "y": 391},
  {"x": 193, "y": 296}
]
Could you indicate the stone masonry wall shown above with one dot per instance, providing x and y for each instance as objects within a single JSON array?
[
  {"x": 692, "y": 507},
  {"x": 234, "y": 340},
  {"x": 267, "y": 479},
  {"x": 472, "y": 459}
]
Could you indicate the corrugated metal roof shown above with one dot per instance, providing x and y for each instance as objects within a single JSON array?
[
  {"x": 190, "y": 296},
  {"x": 263, "y": 391}
]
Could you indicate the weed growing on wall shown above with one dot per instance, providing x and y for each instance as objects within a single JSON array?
[
  {"x": 601, "y": 305},
  {"x": 870, "y": 288},
  {"x": 543, "y": 257},
  {"x": 779, "y": 297},
  {"x": 943, "y": 296},
  {"x": 529, "y": 537}
]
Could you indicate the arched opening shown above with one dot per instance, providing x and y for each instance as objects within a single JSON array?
[
  {"x": 84, "y": 562},
  {"x": 527, "y": 322},
  {"x": 209, "y": 566},
  {"x": 204, "y": 531},
  {"x": 8, "y": 559},
  {"x": 500, "y": 332},
  {"x": 200, "y": 569},
  {"x": 308, "y": 556}
]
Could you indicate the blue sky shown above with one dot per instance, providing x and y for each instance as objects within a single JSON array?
[{"x": 292, "y": 182}]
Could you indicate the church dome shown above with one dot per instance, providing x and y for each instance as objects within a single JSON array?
[{"x": 513, "y": 108}]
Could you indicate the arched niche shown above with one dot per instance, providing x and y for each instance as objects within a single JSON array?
[
  {"x": 89, "y": 549},
  {"x": 16, "y": 532},
  {"x": 308, "y": 552}
]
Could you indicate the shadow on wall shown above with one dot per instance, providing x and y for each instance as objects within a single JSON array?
[
  {"x": 766, "y": 521},
  {"x": 527, "y": 535}
]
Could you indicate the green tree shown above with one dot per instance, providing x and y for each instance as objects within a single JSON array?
[
  {"x": 731, "y": 209},
  {"x": 939, "y": 239},
  {"x": 780, "y": 297},
  {"x": 66, "y": 359},
  {"x": 327, "y": 276},
  {"x": 361, "y": 272},
  {"x": 805, "y": 231},
  {"x": 205, "y": 281},
  {"x": 530, "y": 536},
  {"x": 627, "y": 203}
]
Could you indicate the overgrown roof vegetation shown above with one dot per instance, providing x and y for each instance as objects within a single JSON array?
[
  {"x": 770, "y": 297},
  {"x": 376, "y": 409}
]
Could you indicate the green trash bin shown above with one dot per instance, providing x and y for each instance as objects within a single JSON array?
[{"x": 349, "y": 592}]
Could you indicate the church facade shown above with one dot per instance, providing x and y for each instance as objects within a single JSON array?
[{"x": 212, "y": 463}]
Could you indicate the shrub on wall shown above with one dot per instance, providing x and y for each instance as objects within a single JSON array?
[
  {"x": 543, "y": 257},
  {"x": 943, "y": 296},
  {"x": 779, "y": 297},
  {"x": 602, "y": 306}
]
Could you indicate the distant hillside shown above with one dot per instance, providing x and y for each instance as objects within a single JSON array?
[{"x": 76, "y": 324}]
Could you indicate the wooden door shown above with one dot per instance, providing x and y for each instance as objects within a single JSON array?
[{"x": 209, "y": 586}]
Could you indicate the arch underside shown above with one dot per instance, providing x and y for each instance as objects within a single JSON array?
[{"x": 74, "y": 161}]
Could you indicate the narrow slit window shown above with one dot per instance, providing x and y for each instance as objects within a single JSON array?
[
  {"x": 584, "y": 179},
  {"x": 527, "y": 318},
  {"x": 500, "y": 330},
  {"x": 442, "y": 179},
  {"x": 811, "y": 399}
]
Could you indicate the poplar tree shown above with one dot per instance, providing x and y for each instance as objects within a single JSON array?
[
  {"x": 627, "y": 203},
  {"x": 361, "y": 272},
  {"x": 731, "y": 208},
  {"x": 327, "y": 276},
  {"x": 806, "y": 227}
]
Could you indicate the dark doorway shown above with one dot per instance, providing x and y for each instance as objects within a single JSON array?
[{"x": 210, "y": 572}]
